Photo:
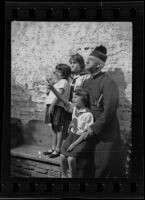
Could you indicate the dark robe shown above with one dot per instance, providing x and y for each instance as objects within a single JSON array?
[{"x": 105, "y": 142}]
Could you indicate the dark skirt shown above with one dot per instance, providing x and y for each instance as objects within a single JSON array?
[
  {"x": 57, "y": 117},
  {"x": 60, "y": 119},
  {"x": 80, "y": 150}
]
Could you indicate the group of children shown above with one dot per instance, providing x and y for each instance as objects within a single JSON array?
[{"x": 67, "y": 110}]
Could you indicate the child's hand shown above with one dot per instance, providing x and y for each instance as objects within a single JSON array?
[
  {"x": 51, "y": 109},
  {"x": 71, "y": 147},
  {"x": 49, "y": 83}
]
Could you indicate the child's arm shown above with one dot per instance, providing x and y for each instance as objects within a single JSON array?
[
  {"x": 58, "y": 95},
  {"x": 55, "y": 101}
]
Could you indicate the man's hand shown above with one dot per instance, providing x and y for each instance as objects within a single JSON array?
[
  {"x": 88, "y": 132},
  {"x": 71, "y": 147}
]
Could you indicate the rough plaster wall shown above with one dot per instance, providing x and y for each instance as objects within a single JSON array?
[{"x": 38, "y": 46}]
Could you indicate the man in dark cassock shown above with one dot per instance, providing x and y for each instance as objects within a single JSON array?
[{"x": 104, "y": 134}]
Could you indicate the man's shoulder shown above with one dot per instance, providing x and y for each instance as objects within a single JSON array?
[
  {"x": 108, "y": 82},
  {"x": 108, "y": 79}
]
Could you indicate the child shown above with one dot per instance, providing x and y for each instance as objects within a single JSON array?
[
  {"x": 55, "y": 112},
  {"x": 78, "y": 74},
  {"x": 82, "y": 118},
  {"x": 75, "y": 145}
]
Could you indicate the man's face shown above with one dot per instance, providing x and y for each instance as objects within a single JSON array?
[{"x": 92, "y": 62}]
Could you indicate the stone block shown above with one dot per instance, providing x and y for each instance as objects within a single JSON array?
[
  {"x": 53, "y": 173},
  {"x": 42, "y": 171},
  {"x": 38, "y": 175}
]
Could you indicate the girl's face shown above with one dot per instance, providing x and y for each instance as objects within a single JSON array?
[
  {"x": 75, "y": 67},
  {"x": 77, "y": 100},
  {"x": 58, "y": 74}
]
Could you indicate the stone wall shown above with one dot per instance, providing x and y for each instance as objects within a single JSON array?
[{"x": 38, "y": 46}]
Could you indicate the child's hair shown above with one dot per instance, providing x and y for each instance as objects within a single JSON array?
[
  {"x": 65, "y": 70},
  {"x": 83, "y": 92},
  {"x": 78, "y": 58}
]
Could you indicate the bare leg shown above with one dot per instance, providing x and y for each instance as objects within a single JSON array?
[
  {"x": 72, "y": 166},
  {"x": 59, "y": 140},
  {"x": 54, "y": 140},
  {"x": 64, "y": 166}
]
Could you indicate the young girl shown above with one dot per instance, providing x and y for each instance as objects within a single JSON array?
[
  {"x": 82, "y": 118},
  {"x": 55, "y": 112},
  {"x": 75, "y": 145},
  {"x": 78, "y": 73}
]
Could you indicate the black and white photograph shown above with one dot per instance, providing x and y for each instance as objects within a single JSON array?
[{"x": 71, "y": 99}]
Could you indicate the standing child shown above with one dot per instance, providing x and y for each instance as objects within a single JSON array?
[
  {"x": 75, "y": 145},
  {"x": 55, "y": 112},
  {"x": 78, "y": 73},
  {"x": 78, "y": 76}
]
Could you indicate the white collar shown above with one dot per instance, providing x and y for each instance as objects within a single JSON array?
[
  {"x": 83, "y": 110},
  {"x": 76, "y": 76}
]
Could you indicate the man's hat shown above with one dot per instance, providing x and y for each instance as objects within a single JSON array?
[{"x": 100, "y": 52}]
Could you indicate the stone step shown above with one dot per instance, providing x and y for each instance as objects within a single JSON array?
[{"x": 27, "y": 162}]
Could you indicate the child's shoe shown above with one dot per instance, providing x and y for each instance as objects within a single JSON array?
[
  {"x": 49, "y": 152},
  {"x": 54, "y": 154}
]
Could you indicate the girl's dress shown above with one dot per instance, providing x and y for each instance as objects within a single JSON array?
[
  {"x": 59, "y": 115},
  {"x": 81, "y": 119}
]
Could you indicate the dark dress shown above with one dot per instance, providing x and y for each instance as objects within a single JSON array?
[
  {"x": 106, "y": 132},
  {"x": 59, "y": 119}
]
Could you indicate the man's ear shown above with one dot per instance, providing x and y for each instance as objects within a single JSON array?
[{"x": 100, "y": 66}]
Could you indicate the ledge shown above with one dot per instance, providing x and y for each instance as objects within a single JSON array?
[{"x": 31, "y": 152}]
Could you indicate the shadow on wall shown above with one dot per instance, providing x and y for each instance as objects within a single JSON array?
[
  {"x": 124, "y": 115},
  {"x": 25, "y": 129},
  {"x": 38, "y": 133},
  {"x": 26, "y": 104},
  {"x": 124, "y": 111},
  {"x": 16, "y": 132},
  {"x": 35, "y": 132}
]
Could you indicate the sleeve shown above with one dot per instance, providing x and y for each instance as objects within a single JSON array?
[
  {"x": 73, "y": 112},
  {"x": 89, "y": 120},
  {"x": 61, "y": 84},
  {"x": 110, "y": 104}
]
